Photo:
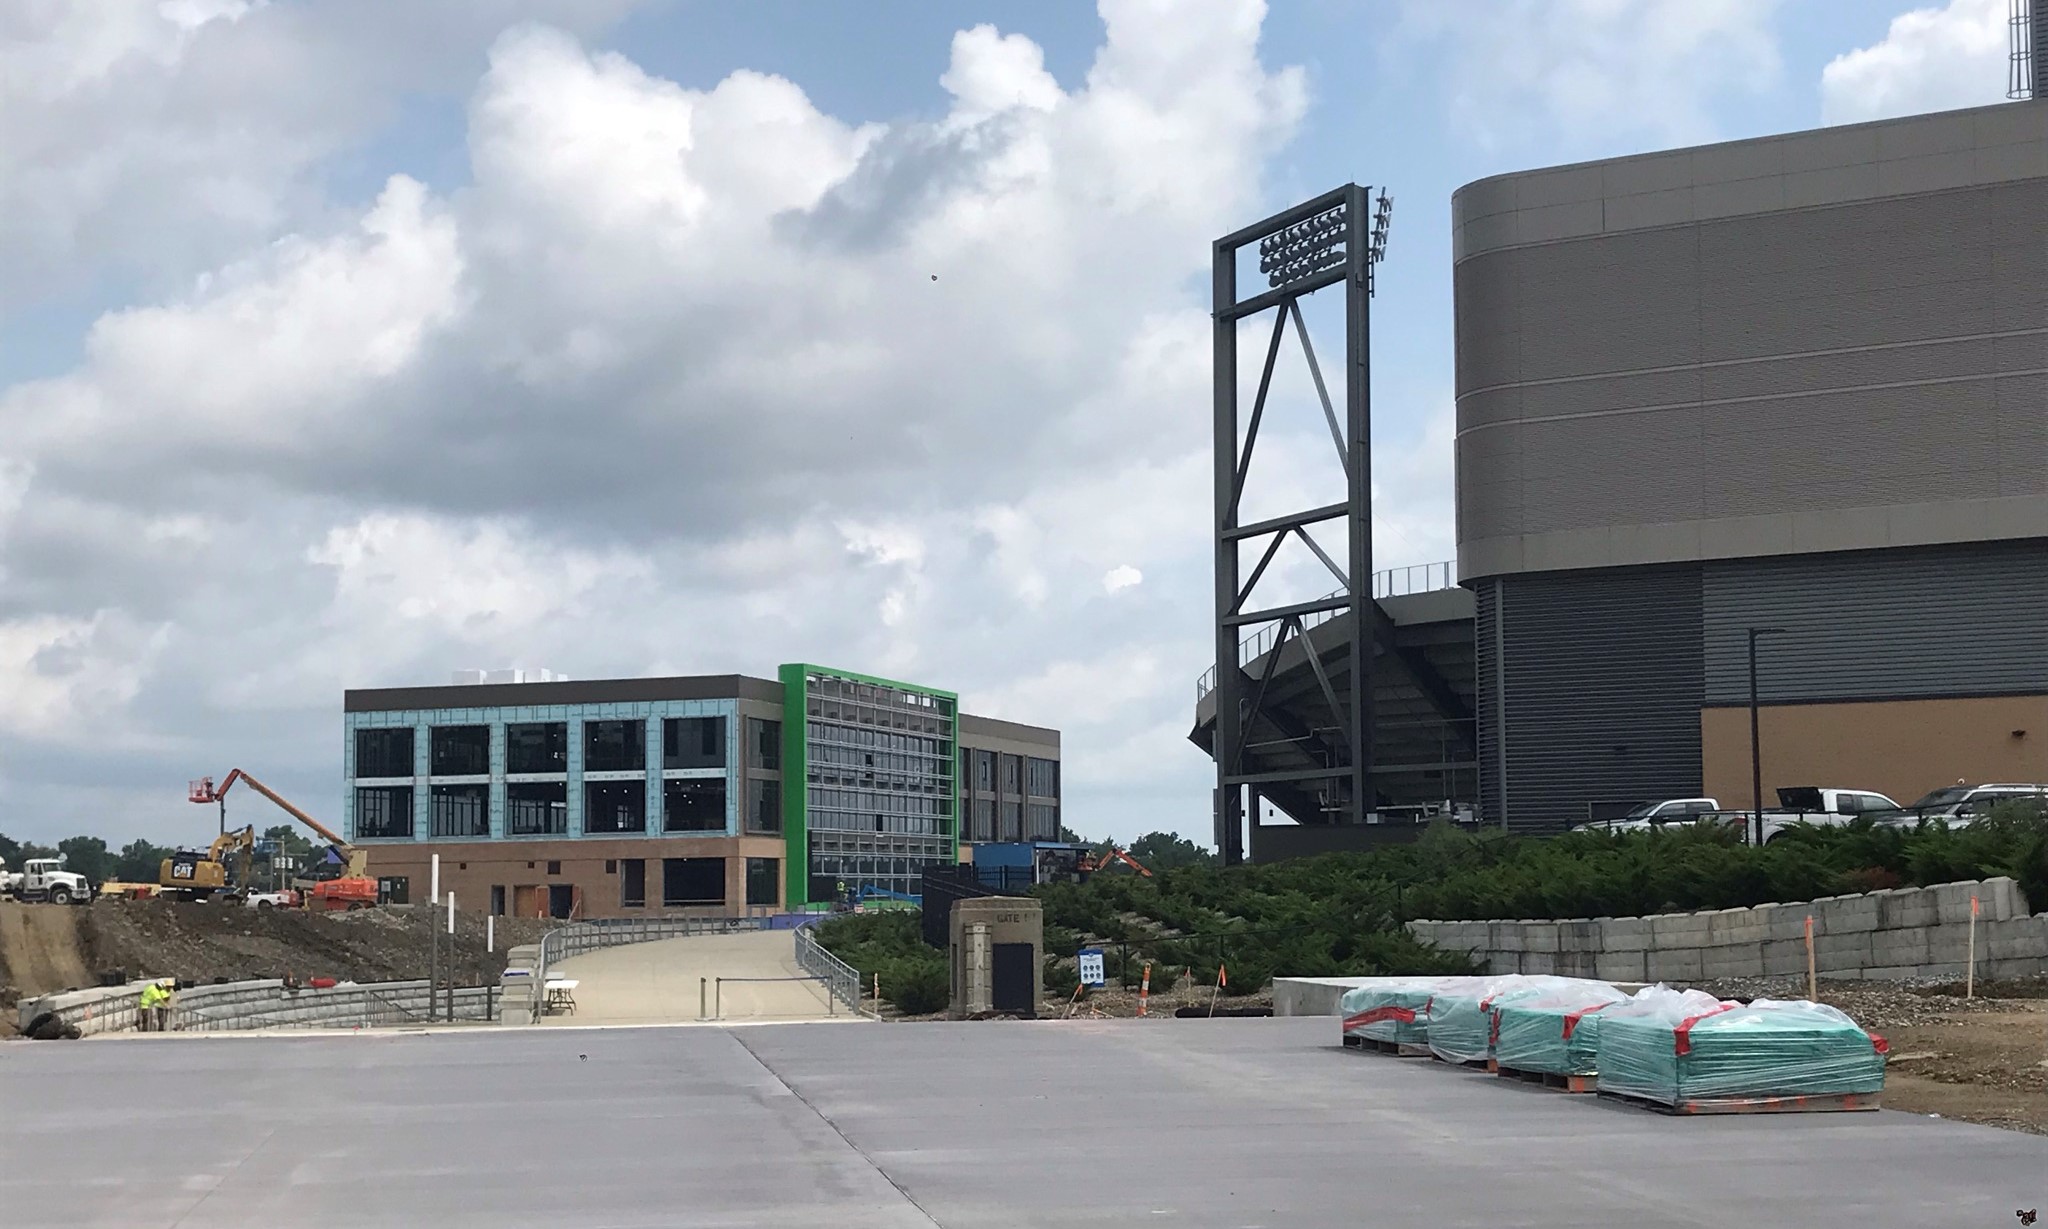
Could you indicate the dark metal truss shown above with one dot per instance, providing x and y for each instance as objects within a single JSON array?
[{"x": 1334, "y": 239}]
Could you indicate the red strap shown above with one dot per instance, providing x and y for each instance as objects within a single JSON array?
[
  {"x": 1880, "y": 1044},
  {"x": 1377, "y": 1014},
  {"x": 1572, "y": 1021},
  {"x": 1681, "y": 1037}
]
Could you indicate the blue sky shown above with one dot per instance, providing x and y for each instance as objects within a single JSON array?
[{"x": 347, "y": 344}]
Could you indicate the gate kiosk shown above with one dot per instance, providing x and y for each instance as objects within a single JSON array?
[{"x": 996, "y": 945}]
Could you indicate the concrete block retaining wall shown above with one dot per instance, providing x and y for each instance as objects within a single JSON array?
[
  {"x": 1903, "y": 933},
  {"x": 262, "y": 1004}
]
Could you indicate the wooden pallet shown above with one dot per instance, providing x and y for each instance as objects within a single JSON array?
[
  {"x": 1820, "y": 1103},
  {"x": 1547, "y": 1079},
  {"x": 1376, "y": 1046},
  {"x": 1470, "y": 1064}
]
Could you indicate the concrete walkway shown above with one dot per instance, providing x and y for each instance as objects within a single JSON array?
[{"x": 659, "y": 983}]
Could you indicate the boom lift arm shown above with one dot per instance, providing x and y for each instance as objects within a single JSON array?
[{"x": 354, "y": 860}]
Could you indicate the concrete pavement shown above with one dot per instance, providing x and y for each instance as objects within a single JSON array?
[
  {"x": 662, "y": 982},
  {"x": 1073, "y": 1124}
]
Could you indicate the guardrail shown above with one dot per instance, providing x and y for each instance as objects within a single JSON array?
[
  {"x": 841, "y": 978},
  {"x": 1394, "y": 582},
  {"x": 263, "y": 1003}
]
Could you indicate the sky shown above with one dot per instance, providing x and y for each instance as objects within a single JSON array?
[{"x": 348, "y": 343}]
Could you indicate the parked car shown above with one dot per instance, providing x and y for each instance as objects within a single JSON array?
[
  {"x": 1653, "y": 815},
  {"x": 1964, "y": 804},
  {"x": 286, "y": 899}
]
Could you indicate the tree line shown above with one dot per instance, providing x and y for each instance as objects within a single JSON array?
[{"x": 140, "y": 860}]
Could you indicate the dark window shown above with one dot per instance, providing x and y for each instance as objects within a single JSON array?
[
  {"x": 554, "y": 868},
  {"x": 537, "y": 747},
  {"x": 497, "y": 900},
  {"x": 536, "y": 808},
  {"x": 763, "y": 876},
  {"x": 394, "y": 890},
  {"x": 693, "y": 805},
  {"x": 693, "y": 742},
  {"x": 614, "y": 746},
  {"x": 764, "y": 805},
  {"x": 384, "y": 811},
  {"x": 384, "y": 753},
  {"x": 633, "y": 885},
  {"x": 1044, "y": 822},
  {"x": 611, "y": 866},
  {"x": 1042, "y": 777},
  {"x": 1013, "y": 822},
  {"x": 459, "y": 810},
  {"x": 984, "y": 819},
  {"x": 615, "y": 806},
  {"x": 764, "y": 743},
  {"x": 692, "y": 881},
  {"x": 1013, "y": 774},
  {"x": 460, "y": 750}
]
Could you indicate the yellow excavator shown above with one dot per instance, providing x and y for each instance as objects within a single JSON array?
[{"x": 221, "y": 869}]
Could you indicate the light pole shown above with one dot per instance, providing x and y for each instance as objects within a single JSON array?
[{"x": 1756, "y": 762}]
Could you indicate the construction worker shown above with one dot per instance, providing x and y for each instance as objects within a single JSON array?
[{"x": 149, "y": 1010}]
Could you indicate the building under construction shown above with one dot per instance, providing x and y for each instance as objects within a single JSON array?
[{"x": 715, "y": 794}]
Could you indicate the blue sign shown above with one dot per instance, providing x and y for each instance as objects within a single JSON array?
[{"x": 1089, "y": 960}]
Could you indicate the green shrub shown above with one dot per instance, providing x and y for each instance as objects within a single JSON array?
[{"x": 918, "y": 987}]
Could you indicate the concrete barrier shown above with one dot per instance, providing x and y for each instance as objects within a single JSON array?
[
  {"x": 1897, "y": 934},
  {"x": 239, "y": 1006}
]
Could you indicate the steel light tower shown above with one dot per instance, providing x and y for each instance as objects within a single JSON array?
[{"x": 1332, "y": 240}]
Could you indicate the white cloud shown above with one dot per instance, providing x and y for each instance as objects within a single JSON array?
[
  {"x": 1603, "y": 73},
  {"x": 668, "y": 388},
  {"x": 1122, "y": 576},
  {"x": 1930, "y": 59},
  {"x": 170, "y": 136}
]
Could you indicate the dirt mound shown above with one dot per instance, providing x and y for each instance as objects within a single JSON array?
[
  {"x": 46, "y": 948},
  {"x": 205, "y": 942},
  {"x": 40, "y": 949}
]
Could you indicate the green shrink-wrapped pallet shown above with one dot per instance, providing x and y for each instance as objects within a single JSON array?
[
  {"x": 1461, "y": 1021},
  {"x": 1728, "y": 1055},
  {"x": 1556, "y": 1032},
  {"x": 1396, "y": 1011}
]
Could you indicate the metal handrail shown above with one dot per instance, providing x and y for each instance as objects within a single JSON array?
[
  {"x": 841, "y": 978},
  {"x": 1393, "y": 582},
  {"x": 580, "y": 937}
]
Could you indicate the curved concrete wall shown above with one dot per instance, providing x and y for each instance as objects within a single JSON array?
[{"x": 1826, "y": 341}]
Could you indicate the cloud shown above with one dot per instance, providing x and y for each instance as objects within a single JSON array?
[
  {"x": 1122, "y": 576},
  {"x": 1930, "y": 59},
  {"x": 170, "y": 136},
  {"x": 666, "y": 387},
  {"x": 1596, "y": 73}
]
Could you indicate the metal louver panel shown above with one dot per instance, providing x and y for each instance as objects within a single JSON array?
[
  {"x": 1602, "y": 685},
  {"x": 1935, "y": 621}
]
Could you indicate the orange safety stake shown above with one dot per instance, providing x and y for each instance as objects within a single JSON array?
[{"x": 1144, "y": 989}]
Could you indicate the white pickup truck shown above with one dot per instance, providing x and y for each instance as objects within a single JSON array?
[
  {"x": 1818, "y": 805},
  {"x": 46, "y": 879},
  {"x": 1653, "y": 815}
]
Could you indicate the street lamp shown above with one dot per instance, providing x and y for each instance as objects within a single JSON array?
[{"x": 1756, "y": 763}]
